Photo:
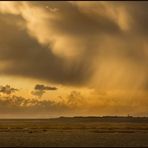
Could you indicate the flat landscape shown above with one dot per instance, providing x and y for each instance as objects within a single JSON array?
[{"x": 76, "y": 131}]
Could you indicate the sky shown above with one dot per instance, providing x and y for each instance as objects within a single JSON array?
[{"x": 69, "y": 58}]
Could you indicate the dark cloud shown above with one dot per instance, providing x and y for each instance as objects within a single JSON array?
[
  {"x": 40, "y": 89},
  {"x": 31, "y": 49},
  {"x": 43, "y": 87},
  {"x": 28, "y": 58},
  {"x": 7, "y": 89},
  {"x": 138, "y": 16},
  {"x": 73, "y": 21}
]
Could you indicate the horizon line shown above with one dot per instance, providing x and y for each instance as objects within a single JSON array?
[{"x": 59, "y": 117}]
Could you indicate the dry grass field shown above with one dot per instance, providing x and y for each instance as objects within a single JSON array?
[{"x": 72, "y": 132}]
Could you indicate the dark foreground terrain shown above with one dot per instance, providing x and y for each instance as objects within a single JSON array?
[{"x": 91, "y": 131}]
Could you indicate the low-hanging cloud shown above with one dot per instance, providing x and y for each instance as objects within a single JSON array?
[
  {"x": 43, "y": 87},
  {"x": 40, "y": 89},
  {"x": 7, "y": 89},
  {"x": 75, "y": 104},
  {"x": 17, "y": 106}
]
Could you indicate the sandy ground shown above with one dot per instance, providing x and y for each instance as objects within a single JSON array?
[{"x": 45, "y": 133}]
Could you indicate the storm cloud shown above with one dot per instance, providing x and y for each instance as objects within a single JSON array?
[
  {"x": 58, "y": 49},
  {"x": 94, "y": 44},
  {"x": 88, "y": 58}
]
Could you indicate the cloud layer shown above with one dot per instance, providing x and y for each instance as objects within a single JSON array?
[{"x": 72, "y": 42}]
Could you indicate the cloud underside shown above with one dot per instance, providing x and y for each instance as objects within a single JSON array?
[{"x": 95, "y": 44}]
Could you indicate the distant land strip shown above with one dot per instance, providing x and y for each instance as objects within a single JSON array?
[{"x": 87, "y": 119}]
